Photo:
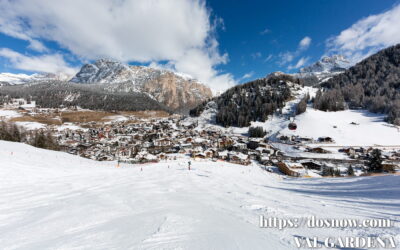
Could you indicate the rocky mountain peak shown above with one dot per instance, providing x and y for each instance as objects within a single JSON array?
[
  {"x": 335, "y": 63},
  {"x": 177, "y": 91}
]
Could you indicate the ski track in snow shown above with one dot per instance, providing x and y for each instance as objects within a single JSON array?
[{"x": 52, "y": 200}]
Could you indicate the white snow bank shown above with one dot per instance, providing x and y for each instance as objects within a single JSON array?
[
  {"x": 8, "y": 114},
  {"x": 116, "y": 118}
]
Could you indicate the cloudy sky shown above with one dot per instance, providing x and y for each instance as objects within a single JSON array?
[{"x": 222, "y": 43}]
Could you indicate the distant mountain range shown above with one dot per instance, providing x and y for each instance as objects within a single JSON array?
[
  {"x": 174, "y": 91},
  {"x": 8, "y": 79}
]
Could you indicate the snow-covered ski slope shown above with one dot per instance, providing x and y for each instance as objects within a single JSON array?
[{"x": 52, "y": 200}]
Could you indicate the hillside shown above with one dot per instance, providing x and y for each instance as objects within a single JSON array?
[
  {"x": 372, "y": 84},
  {"x": 253, "y": 101},
  {"x": 56, "y": 94},
  {"x": 54, "y": 200},
  {"x": 176, "y": 91}
]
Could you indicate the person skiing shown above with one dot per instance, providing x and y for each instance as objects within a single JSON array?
[{"x": 189, "y": 164}]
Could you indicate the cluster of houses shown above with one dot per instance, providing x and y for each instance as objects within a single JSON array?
[
  {"x": 157, "y": 139},
  {"x": 295, "y": 139},
  {"x": 161, "y": 139}
]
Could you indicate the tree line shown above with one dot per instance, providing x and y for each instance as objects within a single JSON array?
[{"x": 39, "y": 139}]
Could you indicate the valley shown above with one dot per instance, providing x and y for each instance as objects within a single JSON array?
[{"x": 199, "y": 125}]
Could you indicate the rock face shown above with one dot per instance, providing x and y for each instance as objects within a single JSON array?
[{"x": 178, "y": 92}]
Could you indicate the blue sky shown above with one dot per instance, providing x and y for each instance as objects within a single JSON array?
[
  {"x": 286, "y": 23},
  {"x": 222, "y": 43}
]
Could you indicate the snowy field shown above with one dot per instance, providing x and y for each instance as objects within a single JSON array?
[
  {"x": 52, "y": 200},
  {"x": 7, "y": 114},
  {"x": 369, "y": 129}
]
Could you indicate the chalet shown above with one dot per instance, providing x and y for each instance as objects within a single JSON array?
[
  {"x": 389, "y": 167},
  {"x": 318, "y": 150},
  {"x": 223, "y": 155},
  {"x": 210, "y": 153},
  {"x": 162, "y": 142},
  {"x": 239, "y": 146},
  {"x": 199, "y": 155},
  {"x": 239, "y": 158},
  {"x": 311, "y": 165},
  {"x": 325, "y": 140},
  {"x": 264, "y": 158},
  {"x": 291, "y": 168}
]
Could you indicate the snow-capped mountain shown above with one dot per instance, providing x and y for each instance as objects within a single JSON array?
[
  {"x": 335, "y": 63},
  {"x": 177, "y": 91},
  {"x": 16, "y": 79},
  {"x": 325, "y": 68}
]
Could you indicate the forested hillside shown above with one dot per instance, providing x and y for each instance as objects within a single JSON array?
[
  {"x": 373, "y": 84},
  {"x": 252, "y": 101},
  {"x": 56, "y": 94}
]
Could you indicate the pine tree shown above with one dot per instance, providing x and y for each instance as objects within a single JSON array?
[
  {"x": 327, "y": 171},
  {"x": 375, "y": 161},
  {"x": 256, "y": 132},
  {"x": 350, "y": 171}
]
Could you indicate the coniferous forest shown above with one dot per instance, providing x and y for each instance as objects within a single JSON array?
[
  {"x": 253, "y": 101},
  {"x": 372, "y": 84}
]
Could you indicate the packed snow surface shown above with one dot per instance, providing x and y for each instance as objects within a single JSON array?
[
  {"x": 347, "y": 128},
  {"x": 52, "y": 200}
]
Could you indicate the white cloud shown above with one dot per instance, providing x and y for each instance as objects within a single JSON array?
[
  {"x": 247, "y": 76},
  {"x": 300, "y": 63},
  {"x": 289, "y": 56},
  {"x": 256, "y": 55},
  {"x": 367, "y": 36},
  {"x": 286, "y": 57},
  {"x": 305, "y": 43},
  {"x": 180, "y": 32},
  {"x": 48, "y": 63},
  {"x": 265, "y": 31},
  {"x": 268, "y": 58}
]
